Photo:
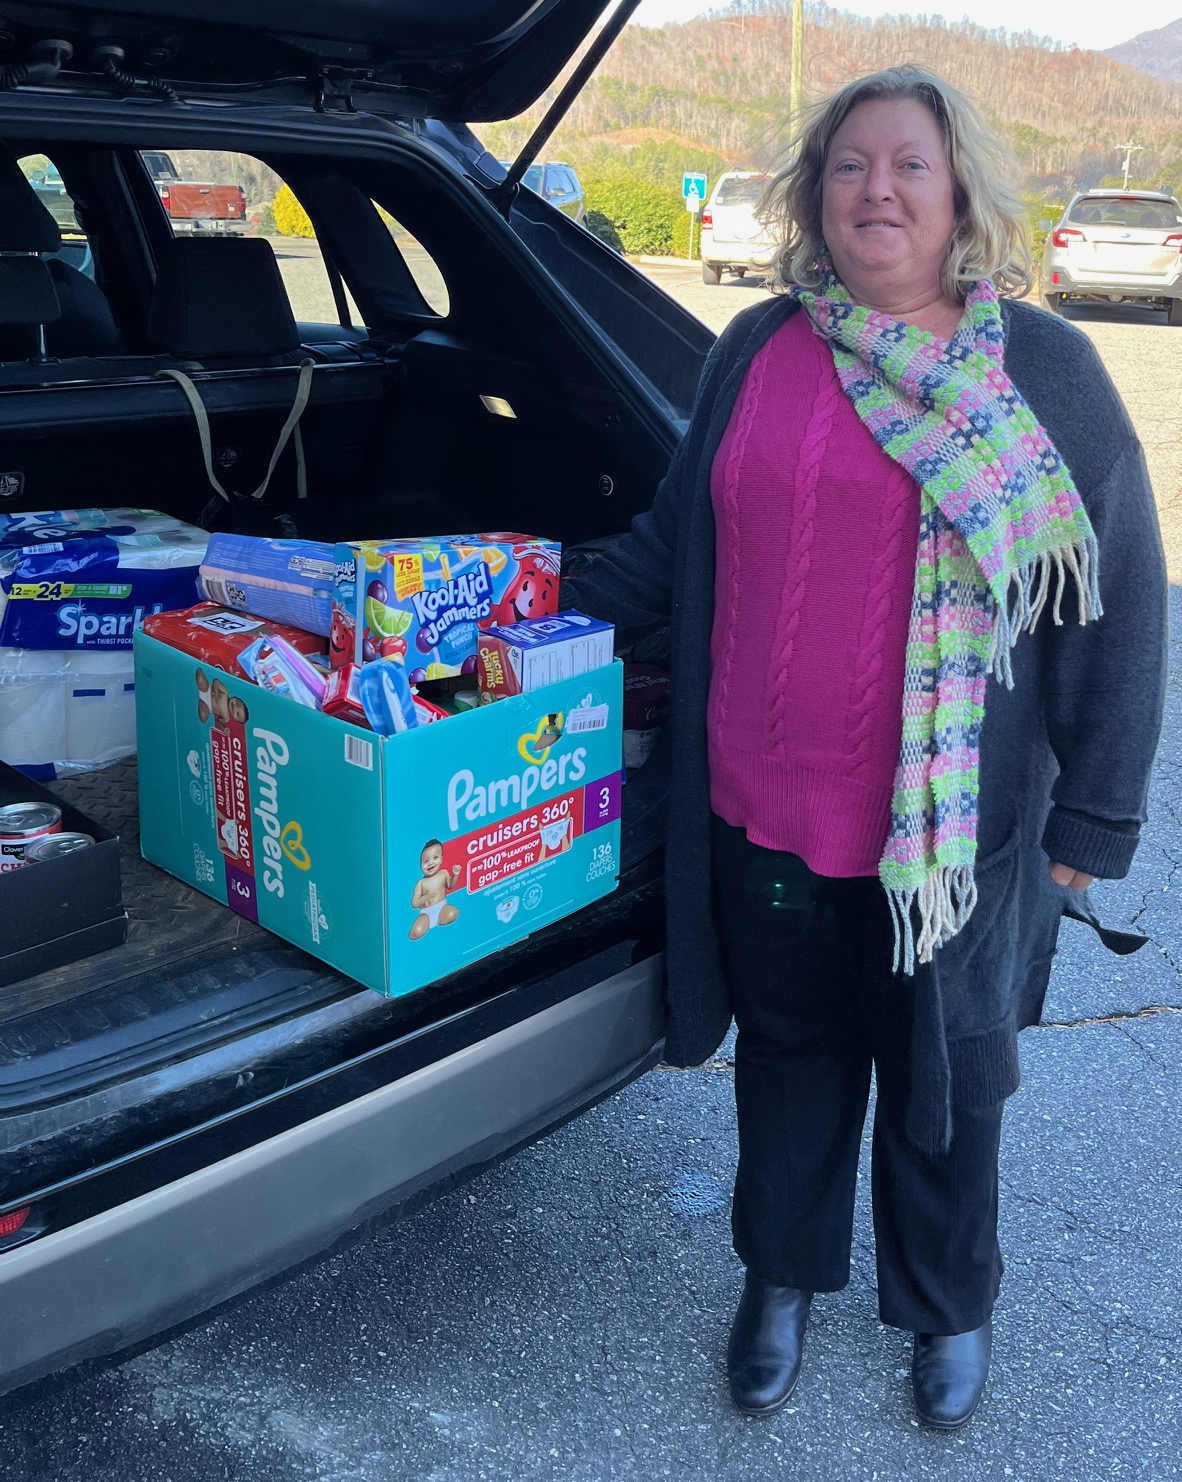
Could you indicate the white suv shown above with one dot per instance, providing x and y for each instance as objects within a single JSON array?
[
  {"x": 1117, "y": 246},
  {"x": 732, "y": 236}
]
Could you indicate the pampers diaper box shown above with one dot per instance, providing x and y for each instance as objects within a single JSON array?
[
  {"x": 397, "y": 859},
  {"x": 423, "y": 602}
]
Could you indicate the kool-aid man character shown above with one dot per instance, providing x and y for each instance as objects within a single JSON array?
[
  {"x": 342, "y": 635},
  {"x": 533, "y": 591},
  {"x": 430, "y": 894}
]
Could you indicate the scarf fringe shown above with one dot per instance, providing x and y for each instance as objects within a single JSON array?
[
  {"x": 1028, "y": 591},
  {"x": 944, "y": 903}
]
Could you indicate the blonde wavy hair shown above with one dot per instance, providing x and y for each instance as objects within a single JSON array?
[{"x": 991, "y": 232}]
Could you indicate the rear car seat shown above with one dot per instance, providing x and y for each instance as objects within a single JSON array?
[
  {"x": 127, "y": 434},
  {"x": 220, "y": 308},
  {"x": 47, "y": 310}
]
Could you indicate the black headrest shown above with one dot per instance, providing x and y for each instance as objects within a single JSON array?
[
  {"x": 220, "y": 296},
  {"x": 26, "y": 292},
  {"x": 25, "y": 224}
]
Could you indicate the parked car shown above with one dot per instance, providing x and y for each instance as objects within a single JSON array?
[
  {"x": 199, "y": 1110},
  {"x": 557, "y": 183},
  {"x": 733, "y": 239},
  {"x": 192, "y": 205},
  {"x": 1116, "y": 246}
]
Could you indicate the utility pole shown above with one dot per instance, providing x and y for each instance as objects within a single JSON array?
[
  {"x": 1130, "y": 150},
  {"x": 794, "y": 99}
]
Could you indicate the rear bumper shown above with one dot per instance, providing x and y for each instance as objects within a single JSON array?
[
  {"x": 143, "y": 1267},
  {"x": 1106, "y": 288},
  {"x": 737, "y": 254}
]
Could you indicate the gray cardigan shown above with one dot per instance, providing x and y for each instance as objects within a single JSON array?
[{"x": 1065, "y": 755}]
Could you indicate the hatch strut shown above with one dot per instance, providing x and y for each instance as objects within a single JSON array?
[{"x": 595, "y": 53}]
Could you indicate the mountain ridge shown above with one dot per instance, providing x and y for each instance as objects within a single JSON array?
[{"x": 1159, "y": 52}]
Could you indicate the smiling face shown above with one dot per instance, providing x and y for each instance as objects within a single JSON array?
[
  {"x": 888, "y": 202},
  {"x": 431, "y": 860}
]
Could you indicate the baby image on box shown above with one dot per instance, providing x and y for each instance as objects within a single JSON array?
[{"x": 430, "y": 893}]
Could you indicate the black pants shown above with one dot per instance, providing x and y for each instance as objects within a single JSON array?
[{"x": 809, "y": 964}]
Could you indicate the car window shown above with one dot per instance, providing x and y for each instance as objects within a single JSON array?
[
  {"x": 421, "y": 265},
  {"x": 1127, "y": 211},
  {"x": 572, "y": 184},
  {"x": 42, "y": 174},
  {"x": 220, "y": 192},
  {"x": 532, "y": 178},
  {"x": 740, "y": 191}
]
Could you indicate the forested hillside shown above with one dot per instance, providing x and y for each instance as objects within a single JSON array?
[{"x": 721, "y": 84}]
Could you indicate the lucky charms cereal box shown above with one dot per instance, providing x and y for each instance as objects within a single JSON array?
[{"x": 423, "y": 602}]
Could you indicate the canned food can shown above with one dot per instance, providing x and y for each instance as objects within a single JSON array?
[
  {"x": 54, "y": 846},
  {"x": 20, "y": 825}
]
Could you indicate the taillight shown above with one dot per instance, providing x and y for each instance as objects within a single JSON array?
[
  {"x": 1174, "y": 240},
  {"x": 707, "y": 220},
  {"x": 1064, "y": 235},
  {"x": 11, "y": 1223},
  {"x": 241, "y": 201},
  {"x": 166, "y": 198}
]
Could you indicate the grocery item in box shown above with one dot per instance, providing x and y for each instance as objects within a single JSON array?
[
  {"x": 342, "y": 695},
  {"x": 86, "y": 578},
  {"x": 289, "y": 581},
  {"x": 422, "y": 602},
  {"x": 225, "y": 639},
  {"x": 273, "y": 663},
  {"x": 526, "y": 656},
  {"x": 387, "y": 698}
]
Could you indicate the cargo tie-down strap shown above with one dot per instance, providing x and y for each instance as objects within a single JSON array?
[{"x": 290, "y": 428}]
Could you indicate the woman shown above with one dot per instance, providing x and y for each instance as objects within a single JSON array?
[{"x": 890, "y": 778}]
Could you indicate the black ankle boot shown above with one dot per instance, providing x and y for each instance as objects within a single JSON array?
[
  {"x": 767, "y": 1340},
  {"x": 948, "y": 1376}
]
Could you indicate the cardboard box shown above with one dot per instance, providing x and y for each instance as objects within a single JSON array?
[
  {"x": 396, "y": 859},
  {"x": 59, "y": 910},
  {"x": 524, "y": 657}
]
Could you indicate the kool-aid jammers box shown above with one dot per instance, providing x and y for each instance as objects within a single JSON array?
[
  {"x": 396, "y": 859},
  {"x": 423, "y": 602}
]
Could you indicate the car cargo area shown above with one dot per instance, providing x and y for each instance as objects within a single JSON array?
[{"x": 498, "y": 415}]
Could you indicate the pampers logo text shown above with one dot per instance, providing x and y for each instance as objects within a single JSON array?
[
  {"x": 480, "y": 799},
  {"x": 466, "y": 598},
  {"x": 279, "y": 842}
]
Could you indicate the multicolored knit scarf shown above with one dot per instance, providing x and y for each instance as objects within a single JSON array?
[{"x": 999, "y": 512}]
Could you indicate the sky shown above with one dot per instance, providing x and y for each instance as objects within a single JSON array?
[{"x": 1093, "y": 24}]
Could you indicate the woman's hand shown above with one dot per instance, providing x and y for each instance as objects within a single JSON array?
[{"x": 1063, "y": 874}]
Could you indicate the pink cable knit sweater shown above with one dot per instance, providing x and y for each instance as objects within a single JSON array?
[{"x": 816, "y": 537}]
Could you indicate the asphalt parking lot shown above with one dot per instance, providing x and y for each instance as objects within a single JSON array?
[{"x": 565, "y": 1316}]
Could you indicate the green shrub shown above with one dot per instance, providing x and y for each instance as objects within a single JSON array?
[
  {"x": 267, "y": 227},
  {"x": 600, "y": 226},
  {"x": 291, "y": 220},
  {"x": 645, "y": 216}
]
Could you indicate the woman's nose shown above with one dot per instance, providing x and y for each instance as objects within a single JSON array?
[{"x": 879, "y": 184}]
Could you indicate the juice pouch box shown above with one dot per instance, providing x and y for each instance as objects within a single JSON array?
[
  {"x": 423, "y": 602},
  {"x": 397, "y": 859}
]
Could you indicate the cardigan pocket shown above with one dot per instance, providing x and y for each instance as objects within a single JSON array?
[{"x": 976, "y": 968}]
